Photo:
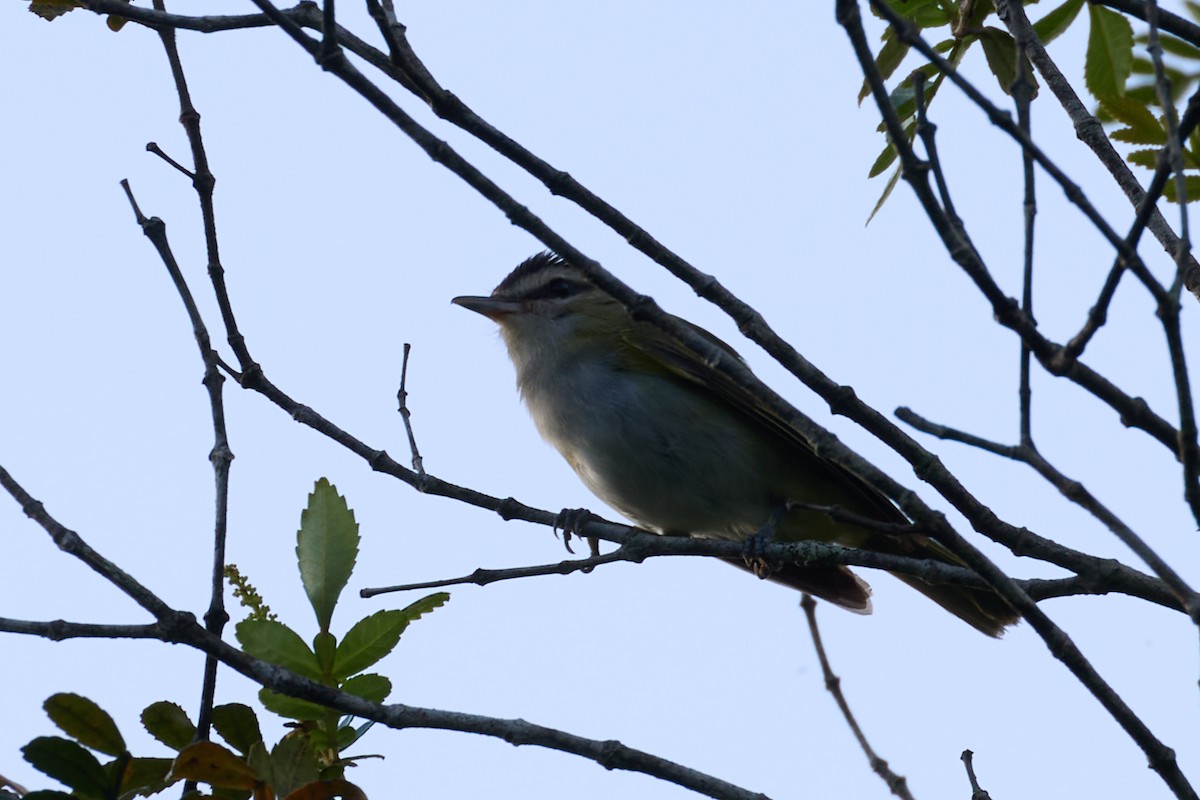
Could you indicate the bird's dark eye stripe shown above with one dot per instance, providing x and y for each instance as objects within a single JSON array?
[{"x": 556, "y": 289}]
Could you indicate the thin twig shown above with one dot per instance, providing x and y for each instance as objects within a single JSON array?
[
  {"x": 482, "y": 577},
  {"x": 60, "y": 630},
  {"x": 1074, "y": 491},
  {"x": 977, "y": 792},
  {"x": 158, "y": 151},
  {"x": 402, "y": 399},
  {"x": 896, "y": 783},
  {"x": 1022, "y": 93},
  {"x": 221, "y": 456}
]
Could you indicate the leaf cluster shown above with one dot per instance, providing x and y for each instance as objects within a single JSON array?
[
  {"x": 1121, "y": 79},
  {"x": 308, "y": 762}
]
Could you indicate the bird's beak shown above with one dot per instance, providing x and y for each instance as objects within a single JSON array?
[{"x": 491, "y": 307}]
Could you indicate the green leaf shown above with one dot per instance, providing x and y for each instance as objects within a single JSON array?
[
  {"x": 1142, "y": 126},
  {"x": 327, "y": 547},
  {"x": 371, "y": 687},
  {"x": 904, "y": 96},
  {"x": 1191, "y": 186},
  {"x": 276, "y": 643},
  {"x": 419, "y": 608},
  {"x": 1055, "y": 24},
  {"x": 87, "y": 722},
  {"x": 169, "y": 723},
  {"x": 1178, "y": 47},
  {"x": 145, "y": 776},
  {"x": 238, "y": 725},
  {"x": 888, "y": 156},
  {"x": 69, "y": 763},
  {"x": 887, "y": 190},
  {"x": 923, "y": 13},
  {"x": 47, "y": 794},
  {"x": 208, "y": 762},
  {"x": 890, "y": 55},
  {"x": 347, "y": 734},
  {"x": 52, "y": 9},
  {"x": 325, "y": 646},
  {"x": 294, "y": 763},
  {"x": 291, "y": 707},
  {"x": 368, "y": 641},
  {"x": 1109, "y": 52},
  {"x": 1000, "y": 49},
  {"x": 259, "y": 759}
]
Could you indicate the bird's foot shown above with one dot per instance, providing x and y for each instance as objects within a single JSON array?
[
  {"x": 569, "y": 521},
  {"x": 756, "y": 543}
]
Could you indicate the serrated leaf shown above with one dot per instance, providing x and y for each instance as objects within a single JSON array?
[
  {"x": 368, "y": 641},
  {"x": 419, "y": 608},
  {"x": 69, "y": 763},
  {"x": 79, "y": 717},
  {"x": 1142, "y": 126},
  {"x": 370, "y": 687},
  {"x": 1132, "y": 136},
  {"x": 294, "y": 764},
  {"x": 276, "y": 643},
  {"x": 291, "y": 707},
  {"x": 53, "y": 9},
  {"x": 1056, "y": 23},
  {"x": 326, "y": 547},
  {"x": 1109, "y": 57},
  {"x": 1191, "y": 186},
  {"x": 208, "y": 762},
  {"x": 238, "y": 725},
  {"x": 325, "y": 790},
  {"x": 47, "y": 794},
  {"x": 145, "y": 776},
  {"x": 169, "y": 723}
]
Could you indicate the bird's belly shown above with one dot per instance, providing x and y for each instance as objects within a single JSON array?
[{"x": 666, "y": 458}]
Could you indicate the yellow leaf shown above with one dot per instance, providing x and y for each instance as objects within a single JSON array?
[{"x": 210, "y": 763}]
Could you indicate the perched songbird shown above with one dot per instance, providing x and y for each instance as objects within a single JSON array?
[{"x": 679, "y": 448}]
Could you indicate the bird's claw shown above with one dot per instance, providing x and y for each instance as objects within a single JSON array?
[
  {"x": 569, "y": 521},
  {"x": 756, "y": 543}
]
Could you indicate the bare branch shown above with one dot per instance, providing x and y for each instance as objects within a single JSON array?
[
  {"x": 1077, "y": 493},
  {"x": 896, "y": 783},
  {"x": 402, "y": 399}
]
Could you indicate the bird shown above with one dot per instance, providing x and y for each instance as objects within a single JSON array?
[{"x": 679, "y": 448}]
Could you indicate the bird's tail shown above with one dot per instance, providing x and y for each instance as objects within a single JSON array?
[{"x": 982, "y": 609}]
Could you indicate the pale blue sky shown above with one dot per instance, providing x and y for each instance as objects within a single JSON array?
[{"x": 734, "y": 137}]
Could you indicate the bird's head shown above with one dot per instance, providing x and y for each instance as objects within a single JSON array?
[{"x": 548, "y": 310}]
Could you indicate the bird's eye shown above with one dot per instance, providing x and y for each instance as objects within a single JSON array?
[{"x": 556, "y": 289}]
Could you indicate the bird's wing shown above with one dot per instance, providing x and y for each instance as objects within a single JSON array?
[{"x": 682, "y": 362}]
